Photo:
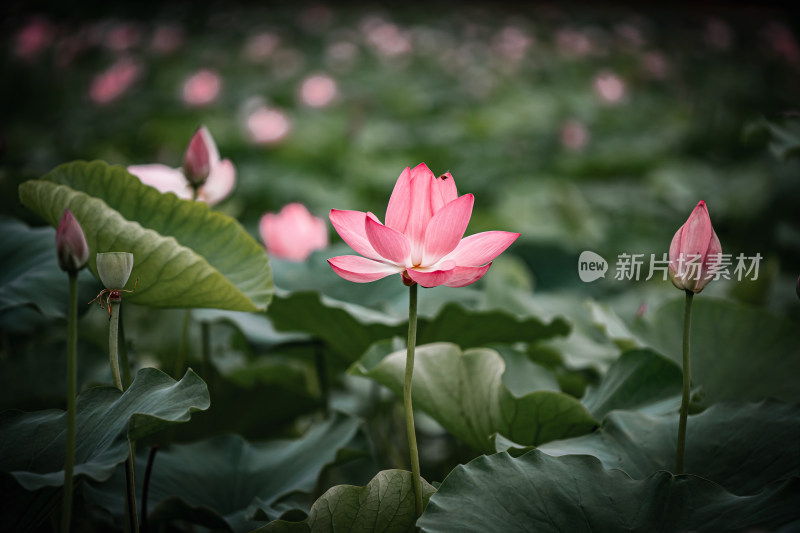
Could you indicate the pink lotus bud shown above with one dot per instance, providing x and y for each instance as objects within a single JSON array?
[
  {"x": 71, "y": 247},
  {"x": 695, "y": 253},
  {"x": 293, "y": 233},
  {"x": 201, "y": 156}
]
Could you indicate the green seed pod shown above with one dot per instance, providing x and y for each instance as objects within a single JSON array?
[{"x": 114, "y": 269}]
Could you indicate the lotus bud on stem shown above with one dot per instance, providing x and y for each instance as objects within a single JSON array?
[
  {"x": 200, "y": 156},
  {"x": 73, "y": 253},
  {"x": 695, "y": 255}
]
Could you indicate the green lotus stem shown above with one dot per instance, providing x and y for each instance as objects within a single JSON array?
[
  {"x": 127, "y": 379},
  {"x": 113, "y": 343},
  {"x": 205, "y": 336},
  {"x": 146, "y": 486},
  {"x": 412, "y": 437},
  {"x": 72, "y": 386},
  {"x": 322, "y": 377},
  {"x": 113, "y": 358},
  {"x": 184, "y": 346},
  {"x": 687, "y": 382}
]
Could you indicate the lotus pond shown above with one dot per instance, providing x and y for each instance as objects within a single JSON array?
[{"x": 320, "y": 268}]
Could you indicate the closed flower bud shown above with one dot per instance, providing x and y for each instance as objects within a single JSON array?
[
  {"x": 114, "y": 269},
  {"x": 695, "y": 252},
  {"x": 71, "y": 247},
  {"x": 200, "y": 158}
]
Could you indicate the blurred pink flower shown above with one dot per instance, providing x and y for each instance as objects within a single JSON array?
[
  {"x": 34, "y": 37},
  {"x": 511, "y": 44},
  {"x": 202, "y": 87},
  {"x": 695, "y": 252},
  {"x": 167, "y": 38},
  {"x": 574, "y": 135},
  {"x": 630, "y": 34},
  {"x": 718, "y": 34},
  {"x": 122, "y": 37},
  {"x": 318, "y": 90},
  {"x": 655, "y": 64},
  {"x": 260, "y": 46},
  {"x": 573, "y": 42},
  {"x": 422, "y": 238},
  {"x": 293, "y": 233},
  {"x": 783, "y": 42},
  {"x": 217, "y": 187},
  {"x": 341, "y": 55},
  {"x": 111, "y": 84},
  {"x": 266, "y": 125},
  {"x": 386, "y": 38},
  {"x": 316, "y": 18},
  {"x": 609, "y": 87}
]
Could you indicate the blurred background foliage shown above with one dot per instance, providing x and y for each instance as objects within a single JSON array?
[{"x": 581, "y": 126}]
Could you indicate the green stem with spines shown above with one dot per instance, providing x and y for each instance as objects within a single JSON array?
[
  {"x": 113, "y": 358},
  {"x": 72, "y": 388},
  {"x": 687, "y": 383},
  {"x": 409, "y": 411}
]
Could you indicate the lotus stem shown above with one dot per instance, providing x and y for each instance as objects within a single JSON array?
[
  {"x": 322, "y": 377},
  {"x": 72, "y": 386},
  {"x": 687, "y": 382},
  {"x": 146, "y": 486},
  {"x": 412, "y": 437},
  {"x": 113, "y": 358},
  {"x": 127, "y": 379},
  {"x": 184, "y": 346},
  {"x": 205, "y": 335}
]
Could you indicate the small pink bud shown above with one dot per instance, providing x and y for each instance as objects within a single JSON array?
[
  {"x": 71, "y": 247},
  {"x": 695, "y": 252},
  {"x": 200, "y": 158}
]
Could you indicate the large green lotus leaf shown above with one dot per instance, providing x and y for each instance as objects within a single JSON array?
[
  {"x": 740, "y": 446},
  {"x": 33, "y": 444},
  {"x": 25, "y": 511},
  {"x": 575, "y": 494},
  {"x": 228, "y": 483},
  {"x": 464, "y": 392},
  {"x": 640, "y": 380},
  {"x": 349, "y": 329},
  {"x": 185, "y": 254},
  {"x": 349, "y": 317},
  {"x": 30, "y": 275},
  {"x": 385, "y": 504},
  {"x": 738, "y": 352}
]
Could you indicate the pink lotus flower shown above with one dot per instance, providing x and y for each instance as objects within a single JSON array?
[
  {"x": 109, "y": 85},
  {"x": 202, "y": 152},
  {"x": 695, "y": 252},
  {"x": 71, "y": 246},
  {"x": 422, "y": 238},
  {"x": 293, "y": 233},
  {"x": 202, "y": 87}
]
